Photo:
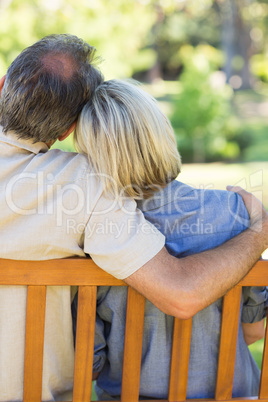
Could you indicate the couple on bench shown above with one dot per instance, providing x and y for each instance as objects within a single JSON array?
[{"x": 184, "y": 251}]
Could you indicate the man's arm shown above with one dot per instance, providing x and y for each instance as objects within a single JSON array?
[{"x": 182, "y": 287}]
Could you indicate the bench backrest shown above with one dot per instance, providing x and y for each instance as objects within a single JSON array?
[{"x": 87, "y": 276}]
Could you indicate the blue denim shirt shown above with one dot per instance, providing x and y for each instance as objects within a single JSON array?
[{"x": 192, "y": 221}]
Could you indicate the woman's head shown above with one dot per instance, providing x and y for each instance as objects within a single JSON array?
[{"x": 128, "y": 140}]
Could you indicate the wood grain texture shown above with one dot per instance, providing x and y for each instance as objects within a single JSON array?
[
  {"x": 34, "y": 343},
  {"x": 264, "y": 372},
  {"x": 84, "y": 349},
  {"x": 258, "y": 276},
  {"x": 132, "y": 346},
  {"x": 83, "y": 271},
  {"x": 68, "y": 271},
  {"x": 228, "y": 340},
  {"x": 247, "y": 399},
  {"x": 180, "y": 360}
]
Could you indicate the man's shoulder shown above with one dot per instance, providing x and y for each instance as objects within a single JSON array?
[
  {"x": 68, "y": 165},
  {"x": 65, "y": 156}
]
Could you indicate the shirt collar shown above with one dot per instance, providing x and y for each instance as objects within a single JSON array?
[{"x": 12, "y": 138}]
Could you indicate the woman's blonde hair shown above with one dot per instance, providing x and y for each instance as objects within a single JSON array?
[{"x": 129, "y": 142}]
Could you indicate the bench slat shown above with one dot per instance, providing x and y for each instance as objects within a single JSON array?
[
  {"x": 264, "y": 372},
  {"x": 132, "y": 355},
  {"x": 249, "y": 399},
  {"x": 228, "y": 340},
  {"x": 34, "y": 343},
  {"x": 84, "y": 349},
  {"x": 180, "y": 360},
  {"x": 83, "y": 271},
  {"x": 258, "y": 276}
]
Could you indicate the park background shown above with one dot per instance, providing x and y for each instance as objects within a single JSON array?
[{"x": 206, "y": 62}]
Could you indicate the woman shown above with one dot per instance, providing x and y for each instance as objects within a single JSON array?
[{"x": 131, "y": 145}]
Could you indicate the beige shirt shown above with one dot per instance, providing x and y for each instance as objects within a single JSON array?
[{"x": 52, "y": 206}]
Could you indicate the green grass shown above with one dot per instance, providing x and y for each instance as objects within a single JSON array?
[
  {"x": 66, "y": 145},
  {"x": 256, "y": 350},
  {"x": 252, "y": 176},
  {"x": 93, "y": 393}
]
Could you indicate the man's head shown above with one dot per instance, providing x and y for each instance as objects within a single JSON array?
[{"x": 46, "y": 87}]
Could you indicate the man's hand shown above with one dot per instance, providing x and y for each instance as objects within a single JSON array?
[{"x": 258, "y": 215}]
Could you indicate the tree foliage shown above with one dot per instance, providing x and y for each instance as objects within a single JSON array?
[
  {"x": 143, "y": 37},
  {"x": 194, "y": 41},
  {"x": 201, "y": 117},
  {"x": 117, "y": 29}
]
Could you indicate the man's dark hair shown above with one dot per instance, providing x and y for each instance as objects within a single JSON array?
[{"x": 47, "y": 86}]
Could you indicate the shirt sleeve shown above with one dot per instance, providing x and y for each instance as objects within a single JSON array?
[
  {"x": 119, "y": 239},
  {"x": 255, "y": 301}
]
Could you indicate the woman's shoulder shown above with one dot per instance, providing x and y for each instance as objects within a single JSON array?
[{"x": 182, "y": 201}]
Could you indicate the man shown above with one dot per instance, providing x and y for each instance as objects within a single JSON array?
[{"x": 52, "y": 206}]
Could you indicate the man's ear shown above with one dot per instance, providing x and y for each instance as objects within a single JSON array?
[
  {"x": 67, "y": 132},
  {"x": 2, "y": 81}
]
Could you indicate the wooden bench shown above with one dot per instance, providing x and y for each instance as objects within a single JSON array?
[{"x": 85, "y": 274}]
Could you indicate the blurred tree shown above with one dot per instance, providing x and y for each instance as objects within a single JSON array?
[
  {"x": 148, "y": 39},
  {"x": 258, "y": 13},
  {"x": 202, "y": 117},
  {"x": 143, "y": 37},
  {"x": 238, "y": 27},
  {"x": 176, "y": 24},
  {"x": 236, "y": 42},
  {"x": 117, "y": 29}
]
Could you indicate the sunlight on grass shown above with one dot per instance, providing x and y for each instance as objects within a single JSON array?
[
  {"x": 252, "y": 176},
  {"x": 66, "y": 145},
  {"x": 256, "y": 350},
  {"x": 93, "y": 393}
]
